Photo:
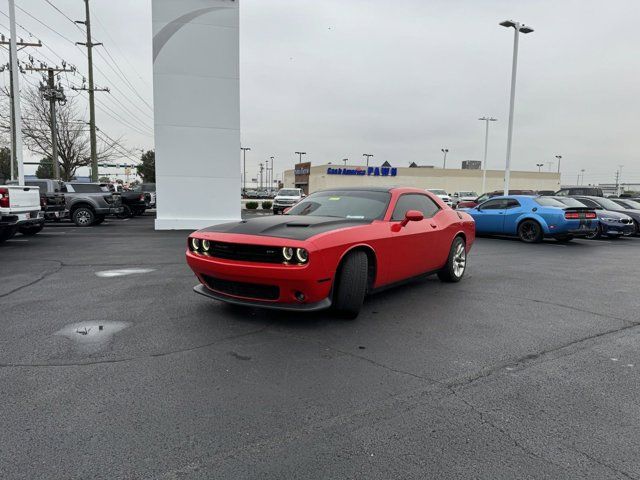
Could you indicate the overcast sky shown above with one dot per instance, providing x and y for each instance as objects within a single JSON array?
[{"x": 400, "y": 79}]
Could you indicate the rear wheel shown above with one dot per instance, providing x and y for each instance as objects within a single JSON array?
[
  {"x": 351, "y": 285},
  {"x": 83, "y": 216},
  {"x": 30, "y": 230},
  {"x": 456, "y": 264},
  {"x": 6, "y": 233},
  {"x": 126, "y": 212},
  {"x": 596, "y": 234},
  {"x": 530, "y": 231}
]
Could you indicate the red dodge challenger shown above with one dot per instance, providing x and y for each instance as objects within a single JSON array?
[{"x": 331, "y": 249}]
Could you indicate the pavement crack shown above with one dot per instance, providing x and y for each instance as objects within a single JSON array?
[
  {"x": 39, "y": 279},
  {"x": 606, "y": 465},
  {"x": 133, "y": 359}
]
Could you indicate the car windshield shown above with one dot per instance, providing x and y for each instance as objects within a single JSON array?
[
  {"x": 630, "y": 203},
  {"x": 549, "y": 202},
  {"x": 438, "y": 192},
  {"x": 361, "y": 205},
  {"x": 570, "y": 202},
  {"x": 288, "y": 193},
  {"x": 607, "y": 204}
]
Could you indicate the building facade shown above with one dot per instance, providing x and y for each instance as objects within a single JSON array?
[{"x": 321, "y": 177}]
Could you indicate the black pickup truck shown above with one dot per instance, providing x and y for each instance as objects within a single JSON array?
[
  {"x": 133, "y": 202},
  {"x": 52, "y": 201}
]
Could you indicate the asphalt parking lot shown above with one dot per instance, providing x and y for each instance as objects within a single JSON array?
[{"x": 528, "y": 368}]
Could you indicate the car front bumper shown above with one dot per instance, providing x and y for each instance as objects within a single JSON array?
[
  {"x": 617, "y": 228},
  {"x": 235, "y": 281}
]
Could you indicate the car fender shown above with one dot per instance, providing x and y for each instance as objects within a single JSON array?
[{"x": 532, "y": 216}]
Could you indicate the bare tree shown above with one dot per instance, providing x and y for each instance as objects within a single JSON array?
[{"x": 72, "y": 133}]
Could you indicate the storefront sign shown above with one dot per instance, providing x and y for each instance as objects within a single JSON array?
[{"x": 369, "y": 171}]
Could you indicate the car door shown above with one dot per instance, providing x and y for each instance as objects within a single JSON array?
[
  {"x": 414, "y": 248},
  {"x": 513, "y": 210},
  {"x": 489, "y": 216}
]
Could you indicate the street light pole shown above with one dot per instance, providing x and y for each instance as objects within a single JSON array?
[
  {"x": 445, "y": 151},
  {"x": 485, "y": 119},
  {"x": 368, "y": 155},
  {"x": 244, "y": 168},
  {"x": 518, "y": 28},
  {"x": 582, "y": 181},
  {"x": 559, "y": 157},
  {"x": 539, "y": 165},
  {"x": 345, "y": 160}
]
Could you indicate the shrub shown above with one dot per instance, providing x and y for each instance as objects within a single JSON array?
[
  {"x": 252, "y": 205},
  {"x": 266, "y": 205}
]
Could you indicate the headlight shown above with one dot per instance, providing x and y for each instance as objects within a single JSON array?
[
  {"x": 206, "y": 245},
  {"x": 302, "y": 255},
  {"x": 287, "y": 253},
  {"x": 195, "y": 244},
  {"x": 608, "y": 219}
]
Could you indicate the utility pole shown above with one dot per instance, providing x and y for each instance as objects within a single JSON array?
[
  {"x": 485, "y": 119},
  {"x": 444, "y": 163},
  {"x": 16, "y": 120},
  {"x": 244, "y": 168},
  {"x": 92, "y": 108},
  {"x": 53, "y": 94},
  {"x": 368, "y": 155}
]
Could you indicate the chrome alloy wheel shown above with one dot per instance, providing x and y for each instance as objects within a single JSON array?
[
  {"x": 459, "y": 260},
  {"x": 83, "y": 217}
]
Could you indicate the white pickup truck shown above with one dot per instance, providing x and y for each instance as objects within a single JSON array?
[{"x": 19, "y": 211}]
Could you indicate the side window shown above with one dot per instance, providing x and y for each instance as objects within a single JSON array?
[
  {"x": 494, "y": 205},
  {"x": 563, "y": 193},
  {"x": 589, "y": 203},
  {"x": 414, "y": 201},
  {"x": 512, "y": 203},
  {"x": 68, "y": 188}
]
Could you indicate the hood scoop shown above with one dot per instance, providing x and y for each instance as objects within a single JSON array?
[{"x": 298, "y": 224}]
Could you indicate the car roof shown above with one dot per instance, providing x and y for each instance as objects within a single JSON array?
[
  {"x": 498, "y": 197},
  {"x": 358, "y": 189}
]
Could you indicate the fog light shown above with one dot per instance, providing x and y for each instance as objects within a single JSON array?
[
  {"x": 300, "y": 296},
  {"x": 195, "y": 244}
]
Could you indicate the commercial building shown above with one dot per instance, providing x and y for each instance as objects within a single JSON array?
[{"x": 319, "y": 177}]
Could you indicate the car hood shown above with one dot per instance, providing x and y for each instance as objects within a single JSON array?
[
  {"x": 295, "y": 227},
  {"x": 635, "y": 214},
  {"x": 611, "y": 214}
]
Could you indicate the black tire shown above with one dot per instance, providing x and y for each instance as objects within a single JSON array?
[
  {"x": 30, "y": 231},
  {"x": 6, "y": 233},
  {"x": 99, "y": 219},
  {"x": 126, "y": 212},
  {"x": 530, "y": 231},
  {"x": 83, "y": 216},
  {"x": 595, "y": 235},
  {"x": 351, "y": 285},
  {"x": 456, "y": 265},
  {"x": 137, "y": 212}
]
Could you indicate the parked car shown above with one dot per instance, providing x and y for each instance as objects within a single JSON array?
[
  {"x": 546, "y": 193},
  {"x": 285, "y": 198},
  {"x": 331, "y": 249},
  {"x": 463, "y": 196},
  {"x": 602, "y": 203},
  {"x": 532, "y": 218},
  {"x": 19, "y": 211},
  {"x": 52, "y": 201},
  {"x": 486, "y": 196},
  {"x": 134, "y": 202},
  {"x": 442, "y": 194},
  {"x": 610, "y": 224},
  {"x": 580, "y": 190},
  {"x": 90, "y": 203},
  {"x": 149, "y": 188}
]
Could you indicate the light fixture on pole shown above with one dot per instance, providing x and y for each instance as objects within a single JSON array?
[
  {"x": 244, "y": 168},
  {"x": 518, "y": 28},
  {"x": 445, "y": 151},
  {"x": 485, "y": 119},
  {"x": 345, "y": 160},
  {"x": 368, "y": 155},
  {"x": 582, "y": 180},
  {"x": 559, "y": 157},
  {"x": 300, "y": 156},
  {"x": 539, "y": 165}
]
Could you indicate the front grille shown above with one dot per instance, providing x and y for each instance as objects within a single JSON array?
[
  {"x": 243, "y": 252},
  {"x": 241, "y": 289}
]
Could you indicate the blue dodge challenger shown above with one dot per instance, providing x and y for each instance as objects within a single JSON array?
[{"x": 532, "y": 218}]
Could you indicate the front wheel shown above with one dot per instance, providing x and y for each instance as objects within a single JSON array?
[
  {"x": 351, "y": 285},
  {"x": 456, "y": 264},
  {"x": 530, "y": 231},
  {"x": 83, "y": 217},
  {"x": 31, "y": 230},
  {"x": 6, "y": 233}
]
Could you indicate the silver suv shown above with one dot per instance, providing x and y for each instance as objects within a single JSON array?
[{"x": 285, "y": 198}]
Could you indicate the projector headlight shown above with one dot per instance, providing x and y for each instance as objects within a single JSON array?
[
  {"x": 206, "y": 245},
  {"x": 195, "y": 244},
  {"x": 287, "y": 253},
  {"x": 302, "y": 255}
]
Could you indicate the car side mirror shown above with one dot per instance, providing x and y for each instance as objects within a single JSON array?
[{"x": 412, "y": 216}]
